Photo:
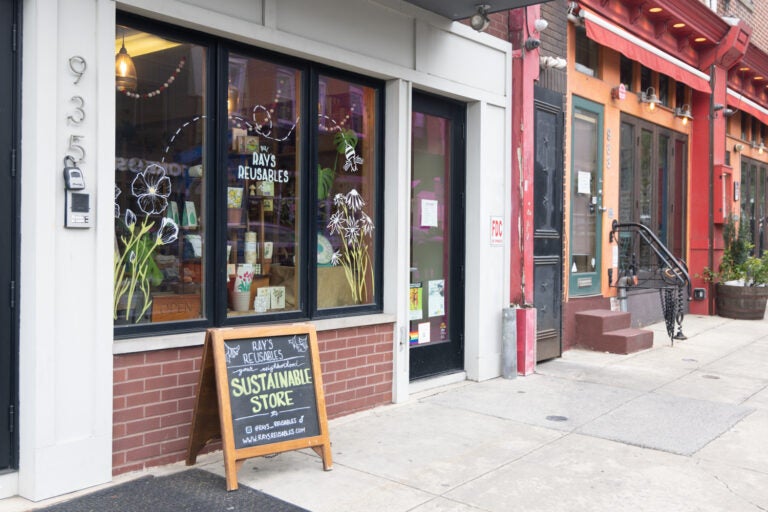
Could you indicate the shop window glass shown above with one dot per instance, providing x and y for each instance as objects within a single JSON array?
[
  {"x": 744, "y": 125},
  {"x": 664, "y": 89},
  {"x": 680, "y": 91},
  {"x": 160, "y": 208},
  {"x": 646, "y": 78},
  {"x": 214, "y": 215},
  {"x": 587, "y": 53},
  {"x": 264, "y": 177},
  {"x": 627, "y": 72},
  {"x": 755, "y": 130},
  {"x": 346, "y": 189}
]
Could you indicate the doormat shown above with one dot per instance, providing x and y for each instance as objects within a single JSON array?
[{"x": 192, "y": 490}]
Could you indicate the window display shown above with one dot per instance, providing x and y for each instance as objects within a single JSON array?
[
  {"x": 346, "y": 191},
  {"x": 159, "y": 185},
  {"x": 263, "y": 187},
  {"x": 214, "y": 215}
]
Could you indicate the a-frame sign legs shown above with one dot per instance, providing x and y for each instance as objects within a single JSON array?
[{"x": 206, "y": 426}]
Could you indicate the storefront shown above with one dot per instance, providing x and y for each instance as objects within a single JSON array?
[
  {"x": 657, "y": 94},
  {"x": 247, "y": 163}
]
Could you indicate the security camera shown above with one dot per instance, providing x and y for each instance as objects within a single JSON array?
[{"x": 532, "y": 43}]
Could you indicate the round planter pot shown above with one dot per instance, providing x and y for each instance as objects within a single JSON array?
[{"x": 741, "y": 302}]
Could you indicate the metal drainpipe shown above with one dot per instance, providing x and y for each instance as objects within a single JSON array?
[
  {"x": 622, "y": 285},
  {"x": 711, "y": 227}
]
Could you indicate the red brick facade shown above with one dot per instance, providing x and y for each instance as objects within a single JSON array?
[{"x": 154, "y": 392}]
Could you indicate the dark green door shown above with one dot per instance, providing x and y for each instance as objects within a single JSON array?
[
  {"x": 8, "y": 233},
  {"x": 437, "y": 237}
]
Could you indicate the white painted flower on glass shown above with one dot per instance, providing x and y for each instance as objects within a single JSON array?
[
  {"x": 151, "y": 189},
  {"x": 168, "y": 232}
]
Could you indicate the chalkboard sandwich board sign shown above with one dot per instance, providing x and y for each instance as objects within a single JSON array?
[{"x": 261, "y": 392}]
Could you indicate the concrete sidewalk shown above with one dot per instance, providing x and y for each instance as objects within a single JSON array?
[{"x": 681, "y": 428}]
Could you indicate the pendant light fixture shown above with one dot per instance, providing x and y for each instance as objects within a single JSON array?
[{"x": 125, "y": 70}]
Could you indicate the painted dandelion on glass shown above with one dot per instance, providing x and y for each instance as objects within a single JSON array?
[
  {"x": 134, "y": 266},
  {"x": 355, "y": 228}
]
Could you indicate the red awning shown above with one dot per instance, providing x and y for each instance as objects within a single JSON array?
[
  {"x": 744, "y": 104},
  {"x": 629, "y": 45}
]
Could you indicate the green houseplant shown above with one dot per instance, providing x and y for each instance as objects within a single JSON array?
[{"x": 740, "y": 283}]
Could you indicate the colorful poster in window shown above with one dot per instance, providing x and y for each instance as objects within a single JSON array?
[
  {"x": 416, "y": 308},
  {"x": 436, "y": 297}
]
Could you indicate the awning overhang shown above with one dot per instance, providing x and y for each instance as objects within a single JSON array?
[
  {"x": 462, "y": 9},
  {"x": 741, "y": 102},
  {"x": 609, "y": 35}
]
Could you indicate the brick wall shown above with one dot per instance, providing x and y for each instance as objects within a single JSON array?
[
  {"x": 754, "y": 12},
  {"x": 154, "y": 392},
  {"x": 554, "y": 38}
]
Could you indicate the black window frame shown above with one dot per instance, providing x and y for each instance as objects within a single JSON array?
[{"x": 214, "y": 296}]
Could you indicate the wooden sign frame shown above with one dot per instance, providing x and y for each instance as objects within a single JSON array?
[{"x": 213, "y": 407}]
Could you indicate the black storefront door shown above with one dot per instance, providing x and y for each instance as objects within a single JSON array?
[
  {"x": 8, "y": 256},
  {"x": 437, "y": 237},
  {"x": 548, "y": 223}
]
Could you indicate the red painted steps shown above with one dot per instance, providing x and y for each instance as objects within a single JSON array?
[{"x": 610, "y": 331}]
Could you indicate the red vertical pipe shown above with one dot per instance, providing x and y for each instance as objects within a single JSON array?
[{"x": 525, "y": 70}]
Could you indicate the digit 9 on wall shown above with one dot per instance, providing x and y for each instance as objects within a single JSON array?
[{"x": 77, "y": 210}]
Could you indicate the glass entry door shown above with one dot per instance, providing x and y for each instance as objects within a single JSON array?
[
  {"x": 652, "y": 177},
  {"x": 437, "y": 237},
  {"x": 753, "y": 200},
  {"x": 586, "y": 198}
]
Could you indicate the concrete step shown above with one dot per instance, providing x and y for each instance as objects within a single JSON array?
[
  {"x": 594, "y": 322},
  {"x": 620, "y": 341}
]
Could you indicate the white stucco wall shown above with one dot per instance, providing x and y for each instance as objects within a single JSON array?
[{"x": 66, "y": 275}]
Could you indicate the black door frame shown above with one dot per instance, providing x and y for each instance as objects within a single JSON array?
[
  {"x": 548, "y": 233},
  {"x": 448, "y": 357},
  {"x": 10, "y": 129}
]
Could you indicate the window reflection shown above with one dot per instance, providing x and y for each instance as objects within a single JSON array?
[
  {"x": 346, "y": 193},
  {"x": 159, "y": 186},
  {"x": 263, "y": 186}
]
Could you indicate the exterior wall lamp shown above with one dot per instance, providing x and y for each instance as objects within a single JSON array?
[
  {"x": 573, "y": 13},
  {"x": 684, "y": 113},
  {"x": 649, "y": 96}
]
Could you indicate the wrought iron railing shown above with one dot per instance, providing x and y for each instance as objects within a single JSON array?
[{"x": 645, "y": 262}]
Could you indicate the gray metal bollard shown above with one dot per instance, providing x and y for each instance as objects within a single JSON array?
[{"x": 509, "y": 343}]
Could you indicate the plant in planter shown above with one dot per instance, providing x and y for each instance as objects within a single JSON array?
[{"x": 741, "y": 280}]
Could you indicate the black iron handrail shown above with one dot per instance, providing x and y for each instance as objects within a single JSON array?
[
  {"x": 674, "y": 269},
  {"x": 673, "y": 273}
]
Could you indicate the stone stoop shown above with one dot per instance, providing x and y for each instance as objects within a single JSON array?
[{"x": 610, "y": 331}]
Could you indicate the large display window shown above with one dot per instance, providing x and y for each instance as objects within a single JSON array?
[{"x": 221, "y": 151}]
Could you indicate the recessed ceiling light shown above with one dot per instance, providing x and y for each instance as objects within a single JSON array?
[
  {"x": 700, "y": 39},
  {"x": 678, "y": 25},
  {"x": 655, "y": 9},
  {"x": 744, "y": 68},
  {"x": 759, "y": 77}
]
